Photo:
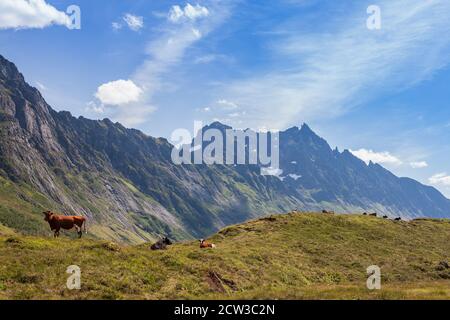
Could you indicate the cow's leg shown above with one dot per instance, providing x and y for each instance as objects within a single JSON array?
[{"x": 78, "y": 228}]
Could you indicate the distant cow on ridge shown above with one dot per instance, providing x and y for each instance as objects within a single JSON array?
[
  {"x": 57, "y": 222},
  {"x": 204, "y": 244}
]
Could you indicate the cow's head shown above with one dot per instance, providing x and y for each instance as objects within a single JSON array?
[
  {"x": 201, "y": 240},
  {"x": 167, "y": 241},
  {"x": 47, "y": 215}
]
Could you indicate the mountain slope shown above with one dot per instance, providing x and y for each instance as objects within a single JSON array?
[
  {"x": 127, "y": 185},
  {"x": 317, "y": 256},
  {"x": 122, "y": 179}
]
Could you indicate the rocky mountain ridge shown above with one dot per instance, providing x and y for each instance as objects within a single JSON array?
[{"x": 126, "y": 182}]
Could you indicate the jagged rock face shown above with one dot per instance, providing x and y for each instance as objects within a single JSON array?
[
  {"x": 127, "y": 184},
  {"x": 343, "y": 180}
]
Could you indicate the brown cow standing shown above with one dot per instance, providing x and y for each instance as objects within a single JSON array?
[
  {"x": 204, "y": 244},
  {"x": 57, "y": 222}
]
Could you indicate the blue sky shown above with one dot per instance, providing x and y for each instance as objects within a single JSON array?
[{"x": 160, "y": 65}]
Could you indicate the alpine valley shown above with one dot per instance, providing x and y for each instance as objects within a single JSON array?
[{"x": 127, "y": 185}]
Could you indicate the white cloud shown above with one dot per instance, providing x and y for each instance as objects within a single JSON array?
[
  {"x": 197, "y": 33},
  {"x": 116, "y": 25},
  {"x": 134, "y": 114},
  {"x": 133, "y": 22},
  {"x": 419, "y": 164},
  {"x": 26, "y": 14},
  {"x": 195, "y": 12},
  {"x": 94, "y": 107},
  {"x": 41, "y": 86},
  {"x": 211, "y": 58},
  {"x": 440, "y": 179},
  {"x": 165, "y": 53},
  {"x": 228, "y": 105},
  {"x": 331, "y": 72},
  {"x": 376, "y": 157},
  {"x": 188, "y": 13},
  {"x": 175, "y": 13},
  {"x": 118, "y": 92}
]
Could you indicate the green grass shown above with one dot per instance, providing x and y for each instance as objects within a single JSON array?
[
  {"x": 21, "y": 208},
  {"x": 293, "y": 256}
]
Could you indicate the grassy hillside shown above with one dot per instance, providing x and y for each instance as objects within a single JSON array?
[
  {"x": 291, "y": 256},
  {"x": 21, "y": 208}
]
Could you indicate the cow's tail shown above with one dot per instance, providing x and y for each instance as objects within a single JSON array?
[{"x": 84, "y": 225}]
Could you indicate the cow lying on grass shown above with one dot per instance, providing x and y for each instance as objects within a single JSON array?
[
  {"x": 57, "y": 222},
  {"x": 161, "y": 244},
  {"x": 204, "y": 244}
]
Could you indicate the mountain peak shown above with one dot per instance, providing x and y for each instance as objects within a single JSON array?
[
  {"x": 306, "y": 131},
  {"x": 217, "y": 125},
  {"x": 306, "y": 128},
  {"x": 292, "y": 130},
  {"x": 9, "y": 71}
]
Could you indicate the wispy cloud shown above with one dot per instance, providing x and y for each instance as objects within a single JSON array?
[
  {"x": 133, "y": 22},
  {"x": 209, "y": 58},
  {"x": 27, "y": 14},
  {"x": 116, "y": 25},
  {"x": 227, "y": 105},
  {"x": 376, "y": 157},
  {"x": 419, "y": 164},
  {"x": 129, "y": 20},
  {"x": 442, "y": 182},
  {"x": 94, "y": 107},
  {"x": 182, "y": 28},
  {"x": 41, "y": 86},
  {"x": 188, "y": 13},
  {"x": 329, "y": 73},
  {"x": 440, "y": 179},
  {"x": 166, "y": 52}
]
